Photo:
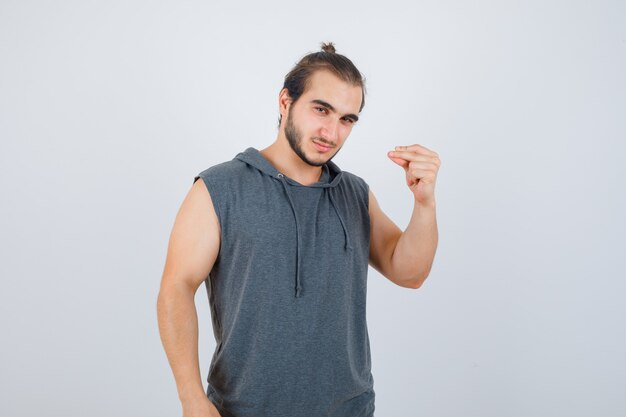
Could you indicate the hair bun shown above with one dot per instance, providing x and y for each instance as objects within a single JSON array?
[{"x": 328, "y": 47}]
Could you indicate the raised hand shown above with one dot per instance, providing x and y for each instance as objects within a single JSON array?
[{"x": 420, "y": 166}]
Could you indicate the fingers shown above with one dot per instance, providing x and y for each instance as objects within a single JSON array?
[
  {"x": 402, "y": 162},
  {"x": 420, "y": 166},
  {"x": 418, "y": 170},
  {"x": 412, "y": 156},
  {"x": 416, "y": 148}
]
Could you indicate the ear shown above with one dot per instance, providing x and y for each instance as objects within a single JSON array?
[{"x": 284, "y": 102}]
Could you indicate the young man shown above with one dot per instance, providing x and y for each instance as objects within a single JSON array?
[{"x": 282, "y": 238}]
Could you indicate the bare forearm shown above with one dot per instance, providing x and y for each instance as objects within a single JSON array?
[
  {"x": 415, "y": 250},
  {"x": 178, "y": 326}
]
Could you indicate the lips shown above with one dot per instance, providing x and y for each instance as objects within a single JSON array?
[{"x": 322, "y": 147}]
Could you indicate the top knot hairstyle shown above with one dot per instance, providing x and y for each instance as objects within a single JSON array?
[
  {"x": 297, "y": 80},
  {"x": 328, "y": 47}
]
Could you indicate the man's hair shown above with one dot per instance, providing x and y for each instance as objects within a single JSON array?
[{"x": 297, "y": 80}]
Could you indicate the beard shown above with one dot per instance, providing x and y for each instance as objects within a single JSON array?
[{"x": 294, "y": 137}]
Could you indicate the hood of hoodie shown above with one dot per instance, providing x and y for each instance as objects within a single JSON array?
[
  {"x": 331, "y": 174},
  {"x": 331, "y": 177}
]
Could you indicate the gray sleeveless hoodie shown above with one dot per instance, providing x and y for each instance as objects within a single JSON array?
[{"x": 288, "y": 292}]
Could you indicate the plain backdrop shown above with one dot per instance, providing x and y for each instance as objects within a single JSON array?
[{"x": 108, "y": 109}]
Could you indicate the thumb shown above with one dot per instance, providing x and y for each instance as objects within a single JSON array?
[{"x": 402, "y": 162}]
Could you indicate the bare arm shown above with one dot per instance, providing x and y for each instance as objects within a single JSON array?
[
  {"x": 192, "y": 250},
  {"x": 405, "y": 258}
]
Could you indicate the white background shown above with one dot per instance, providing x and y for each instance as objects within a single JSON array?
[{"x": 108, "y": 109}]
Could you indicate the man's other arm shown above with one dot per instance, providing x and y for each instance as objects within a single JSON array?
[
  {"x": 405, "y": 258},
  {"x": 192, "y": 250}
]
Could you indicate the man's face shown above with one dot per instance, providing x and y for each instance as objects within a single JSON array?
[{"x": 320, "y": 121}]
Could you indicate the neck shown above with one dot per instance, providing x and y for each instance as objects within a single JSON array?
[{"x": 285, "y": 160}]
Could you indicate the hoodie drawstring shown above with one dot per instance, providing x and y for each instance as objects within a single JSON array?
[
  {"x": 298, "y": 239},
  {"x": 343, "y": 224},
  {"x": 347, "y": 245}
]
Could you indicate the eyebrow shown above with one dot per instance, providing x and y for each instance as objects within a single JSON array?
[{"x": 331, "y": 108}]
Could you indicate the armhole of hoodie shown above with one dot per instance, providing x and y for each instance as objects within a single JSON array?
[
  {"x": 213, "y": 192},
  {"x": 364, "y": 188}
]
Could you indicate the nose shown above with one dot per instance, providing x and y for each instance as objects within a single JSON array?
[{"x": 330, "y": 131}]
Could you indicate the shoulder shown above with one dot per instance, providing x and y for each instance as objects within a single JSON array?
[
  {"x": 354, "y": 181},
  {"x": 222, "y": 171},
  {"x": 219, "y": 181},
  {"x": 223, "y": 176},
  {"x": 356, "y": 186}
]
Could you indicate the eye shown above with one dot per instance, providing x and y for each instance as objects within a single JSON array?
[
  {"x": 323, "y": 109},
  {"x": 349, "y": 120}
]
